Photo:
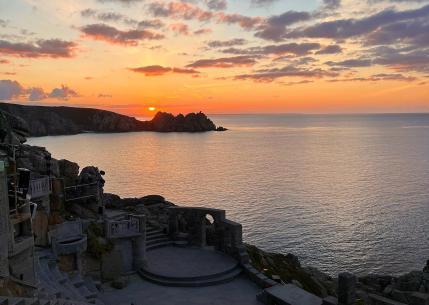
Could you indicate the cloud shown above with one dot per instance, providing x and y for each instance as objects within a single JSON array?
[
  {"x": 189, "y": 11},
  {"x": 275, "y": 27},
  {"x": 10, "y": 89},
  {"x": 376, "y": 78},
  {"x": 202, "y": 31},
  {"x": 269, "y": 75},
  {"x": 152, "y": 23},
  {"x": 36, "y": 94},
  {"x": 296, "y": 49},
  {"x": 157, "y": 70},
  {"x": 301, "y": 82},
  {"x": 226, "y": 43},
  {"x": 180, "y": 28},
  {"x": 103, "y": 95},
  {"x": 352, "y": 63},
  {"x": 348, "y": 28},
  {"x": 112, "y": 35},
  {"x": 263, "y": 2},
  {"x": 332, "y": 49},
  {"x": 4, "y": 61},
  {"x": 227, "y": 62},
  {"x": 54, "y": 48},
  {"x": 127, "y": 2},
  {"x": 108, "y": 16},
  {"x": 216, "y": 5},
  {"x": 179, "y": 10},
  {"x": 63, "y": 93}
]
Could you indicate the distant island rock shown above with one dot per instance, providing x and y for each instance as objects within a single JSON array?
[{"x": 61, "y": 120}]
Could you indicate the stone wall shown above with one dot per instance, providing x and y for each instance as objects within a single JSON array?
[
  {"x": 207, "y": 227},
  {"x": 4, "y": 223}
]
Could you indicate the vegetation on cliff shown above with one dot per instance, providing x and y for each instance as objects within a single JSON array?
[{"x": 289, "y": 269}]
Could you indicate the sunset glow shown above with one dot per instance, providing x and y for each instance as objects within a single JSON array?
[{"x": 217, "y": 56}]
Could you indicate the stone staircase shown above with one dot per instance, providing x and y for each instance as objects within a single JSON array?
[
  {"x": 156, "y": 238},
  {"x": 54, "y": 285},
  {"x": 197, "y": 281}
]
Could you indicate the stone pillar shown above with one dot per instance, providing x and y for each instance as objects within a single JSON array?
[
  {"x": 139, "y": 244},
  {"x": 346, "y": 289},
  {"x": 4, "y": 222}
]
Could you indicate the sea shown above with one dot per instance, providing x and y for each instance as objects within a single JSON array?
[{"x": 342, "y": 192}]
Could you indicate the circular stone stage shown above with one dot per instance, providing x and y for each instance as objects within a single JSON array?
[{"x": 189, "y": 267}]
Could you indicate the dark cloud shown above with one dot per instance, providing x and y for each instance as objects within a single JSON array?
[
  {"x": 351, "y": 63},
  {"x": 112, "y": 35},
  {"x": 217, "y": 5},
  {"x": 54, "y": 48},
  {"x": 108, "y": 16},
  {"x": 150, "y": 23},
  {"x": 275, "y": 27},
  {"x": 157, "y": 70},
  {"x": 269, "y": 75},
  {"x": 331, "y": 4},
  {"x": 402, "y": 60},
  {"x": 347, "y": 28},
  {"x": 412, "y": 32},
  {"x": 4, "y": 61},
  {"x": 226, "y": 43},
  {"x": 296, "y": 49},
  {"x": 227, "y": 62},
  {"x": 332, "y": 49}
]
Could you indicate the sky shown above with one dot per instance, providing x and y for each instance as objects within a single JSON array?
[{"x": 217, "y": 56}]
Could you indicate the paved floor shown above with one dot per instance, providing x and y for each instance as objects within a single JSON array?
[
  {"x": 188, "y": 262},
  {"x": 240, "y": 291}
]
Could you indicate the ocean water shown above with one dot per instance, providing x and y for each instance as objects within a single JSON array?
[{"x": 343, "y": 192}]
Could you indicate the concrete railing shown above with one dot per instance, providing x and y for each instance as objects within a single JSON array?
[
  {"x": 39, "y": 187},
  {"x": 123, "y": 228}
]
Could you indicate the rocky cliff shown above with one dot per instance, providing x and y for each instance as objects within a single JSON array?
[{"x": 44, "y": 120}]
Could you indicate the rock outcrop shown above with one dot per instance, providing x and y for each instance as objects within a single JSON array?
[{"x": 43, "y": 121}]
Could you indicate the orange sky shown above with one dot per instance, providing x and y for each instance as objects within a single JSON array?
[{"x": 216, "y": 56}]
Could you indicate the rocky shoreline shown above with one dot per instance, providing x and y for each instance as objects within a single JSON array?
[
  {"x": 48, "y": 121},
  {"x": 410, "y": 288}
]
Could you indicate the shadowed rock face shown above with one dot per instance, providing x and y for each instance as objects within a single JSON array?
[{"x": 44, "y": 121}]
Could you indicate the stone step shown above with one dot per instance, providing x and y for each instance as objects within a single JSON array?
[
  {"x": 191, "y": 278},
  {"x": 159, "y": 245},
  {"x": 154, "y": 236},
  {"x": 157, "y": 241},
  {"x": 185, "y": 282},
  {"x": 153, "y": 232}
]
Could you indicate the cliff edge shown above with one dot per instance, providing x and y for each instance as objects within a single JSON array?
[{"x": 61, "y": 120}]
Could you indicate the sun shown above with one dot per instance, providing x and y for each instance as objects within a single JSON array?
[{"x": 151, "y": 108}]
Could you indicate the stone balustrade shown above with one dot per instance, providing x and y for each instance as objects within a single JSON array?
[
  {"x": 39, "y": 187},
  {"x": 124, "y": 228}
]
